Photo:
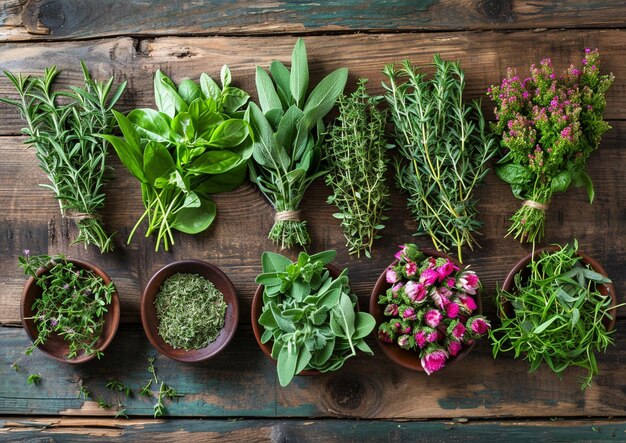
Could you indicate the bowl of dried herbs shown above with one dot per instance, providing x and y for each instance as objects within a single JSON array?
[{"x": 189, "y": 310}]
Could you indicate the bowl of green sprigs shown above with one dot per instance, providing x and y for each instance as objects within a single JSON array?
[{"x": 189, "y": 310}]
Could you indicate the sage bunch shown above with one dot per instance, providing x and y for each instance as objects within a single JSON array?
[
  {"x": 446, "y": 146},
  {"x": 289, "y": 135},
  {"x": 356, "y": 154},
  {"x": 63, "y": 126}
]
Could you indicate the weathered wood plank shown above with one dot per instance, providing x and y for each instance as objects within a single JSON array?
[
  {"x": 485, "y": 57},
  {"x": 257, "y": 430},
  {"x": 72, "y": 19},
  {"x": 241, "y": 382},
  {"x": 31, "y": 220}
]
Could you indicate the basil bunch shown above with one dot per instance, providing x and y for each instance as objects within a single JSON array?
[
  {"x": 197, "y": 143},
  {"x": 310, "y": 315},
  {"x": 287, "y": 151}
]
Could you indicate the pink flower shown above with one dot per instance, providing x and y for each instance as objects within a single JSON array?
[
  {"x": 454, "y": 347},
  {"x": 451, "y": 282},
  {"x": 434, "y": 360},
  {"x": 432, "y": 337},
  {"x": 396, "y": 288},
  {"x": 469, "y": 282},
  {"x": 432, "y": 318},
  {"x": 410, "y": 268},
  {"x": 384, "y": 335},
  {"x": 478, "y": 325},
  {"x": 415, "y": 291},
  {"x": 446, "y": 269},
  {"x": 467, "y": 303},
  {"x": 403, "y": 342},
  {"x": 452, "y": 310},
  {"x": 391, "y": 275},
  {"x": 429, "y": 276},
  {"x": 409, "y": 313},
  {"x": 458, "y": 331},
  {"x": 440, "y": 297},
  {"x": 400, "y": 254},
  {"x": 391, "y": 310},
  {"x": 420, "y": 339}
]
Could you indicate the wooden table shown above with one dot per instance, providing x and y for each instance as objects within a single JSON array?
[{"x": 236, "y": 395}]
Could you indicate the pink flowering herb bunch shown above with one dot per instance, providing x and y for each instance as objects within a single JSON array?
[
  {"x": 549, "y": 123},
  {"x": 430, "y": 306}
]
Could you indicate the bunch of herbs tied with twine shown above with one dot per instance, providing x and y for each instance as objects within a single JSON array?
[
  {"x": 62, "y": 127},
  {"x": 289, "y": 132},
  {"x": 446, "y": 146},
  {"x": 356, "y": 154}
]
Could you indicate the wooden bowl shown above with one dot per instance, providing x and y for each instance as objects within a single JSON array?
[
  {"x": 257, "y": 306},
  {"x": 506, "y": 309},
  {"x": 150, "y": 321},
  {"x": 409, "y": 358},
  {"x": 55, "y": 346}
]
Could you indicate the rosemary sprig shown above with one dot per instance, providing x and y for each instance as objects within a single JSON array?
[
  {"x": 62, "y": 133},
  {"x": 356, "y": 156},
  {"x": 446, "y": 146}
]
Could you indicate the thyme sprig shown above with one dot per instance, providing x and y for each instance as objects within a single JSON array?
[
  {"x": 356, "y": 156},
  {"x": 446, "y": 146},
  {"x": 62, "y": 133}
]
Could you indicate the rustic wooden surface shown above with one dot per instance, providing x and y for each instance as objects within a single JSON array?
[{"x": 130, "y": 40}]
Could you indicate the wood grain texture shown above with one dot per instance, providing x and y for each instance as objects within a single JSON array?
[
  {"x": 31, "y": 220},
  {"x": 242, "y": 382},
  {"x": 262, "y": 430},
  {"x": 485, "y": 57},
  {"x": 84, "y": 19}
]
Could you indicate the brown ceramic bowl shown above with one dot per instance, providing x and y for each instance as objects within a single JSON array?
[
  {"x": 150, "y": 321},
  {"x": 509, "y": 283},
  {"x": 403, "y": 357},
  {"x": 56, "y": 347},
  {"x": 257, "y": 306}
]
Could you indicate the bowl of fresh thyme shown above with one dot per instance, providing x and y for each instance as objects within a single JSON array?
[{"x": 189, "y": 310}]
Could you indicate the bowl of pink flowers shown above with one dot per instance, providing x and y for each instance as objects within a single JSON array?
[{"x": 427, "y": 309}]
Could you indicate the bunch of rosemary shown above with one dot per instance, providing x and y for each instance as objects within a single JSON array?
[
  {"x": 356, "y": 157},
  {"x": 62, "y": 132},
  {"x": 289, "y": 133},
  {"x": 446, "y": 146}
]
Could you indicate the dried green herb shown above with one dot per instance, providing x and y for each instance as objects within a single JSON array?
[
  {"x": 62, "y": 133},
  {"x": 356, "y": 156},
  {"x": 446, "y": 145},
  {"x": 190, "y": 310},
  {"x": 559, "y": 314},
  {"x": 73, "y": 303},
  {"x": 33, "y": 379}
]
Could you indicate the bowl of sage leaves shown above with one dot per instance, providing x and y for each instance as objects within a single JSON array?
[
  {"x": 557, "y": 307},
  {"x": 190, "y": 310}
]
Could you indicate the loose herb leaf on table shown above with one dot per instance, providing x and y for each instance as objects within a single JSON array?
[
  {"x": 446, "y": 146},
  {"x": 310, "y": 316},
  {"x": 289, "y": 133},
  {"x": 197, "y": 143},
  {"x": 356, "y": 154},
  {"x": 559, "y": 314},
  {"x": 63, "y": 127}
]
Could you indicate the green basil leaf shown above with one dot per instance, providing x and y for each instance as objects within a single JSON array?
[
  {"x": 195, "y": 220},
  {"x": 273, "y": 262},
  {"x": 513, "y": 174},
  {"x": 299, "y": 77},
  {"x": 268, "y": 98},
  {"x": 230, "y": 134},
  {"x": 189, "y": 91},
  {"x": 561, "y": 181},
  {"x": 581, "y": 178},
  {"x": 280, "y": 75},
  {"x": 128, "y": 156},
  {"x": 233, "y": 99},
  {"x": 227, "y": 181},
  {"x": 225, "y": 76},
  {"x": 191, "y": 200},
  {"x": 183, "y": 126},
  {"x": 128, "y": 131},
  {"x": 157, "y": 162},
  {"x": 214, "y": 162},
  {"x": 152, "y": 125},
  {"x": 166, "y": 97},
  {"x": 210, "y": 88}
]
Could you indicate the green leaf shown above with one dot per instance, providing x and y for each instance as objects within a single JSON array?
[
  {"x": 283, "y": 323},
  {"x": 286, "y": 365},
  {"x": 363, "y": 324},
  {"x": 267, "y": 319},
  {"x": 227, "y": 181},
  {"x": 129, "y": 158},
  {"x": 323, "y": 98},
  {"x": 542, "y": 327},
  {"x": 322, "y": 356},
  {"x": 325, "y": 257},
  {"x": 273, "y": 262},
  {"x": 152, "y": 125},
  {"x": 214, "y": 162},
  {"x": 183, "y": 125},
  {"x": 157, "y": 162},
  {"x": 266, "y": 151},
  {"x": 513, "y": 174},
  {"x": 128, "y": 131},
  {"x": 280, "y": 75},
  {"x": 195, "y": 220},
  {"x": 575, "y": 316},
  {"x": 230, "y": 134},
  {"x": 233, "y": 99},
  {"x": 561, "y": 182},
  {"x": 581, "y": 178},
  {"x": 299, "y": 77},
  {"x": 304, "y": 357},
  {"x": 225, "y": 76},
  {"x": 210, "y": 88},
  {"x": 189, "y": 91},
  {"x": 165, "y": 95},
  {"x": 286, "y": 132},
  {"x": 268, "y": 98},
  {"x": 595, "y": 276},
  {"x": 364, "y": 347}
]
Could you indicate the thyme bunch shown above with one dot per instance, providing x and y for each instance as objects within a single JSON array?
[
  {"x": 63, "y": 135},
  {"x": 446, "y": 146},
  {"x": 356, "y": 156},
  {"x": 190, "y": 310}
]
